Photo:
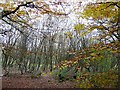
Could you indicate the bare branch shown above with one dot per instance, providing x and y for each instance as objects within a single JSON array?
[{"x": 4, "y": 14}]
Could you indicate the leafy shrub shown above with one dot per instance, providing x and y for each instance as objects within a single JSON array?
[{"x": 99, "y": 80}]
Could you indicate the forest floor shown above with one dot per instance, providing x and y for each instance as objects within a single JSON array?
[{"x": 25, "y": 81}]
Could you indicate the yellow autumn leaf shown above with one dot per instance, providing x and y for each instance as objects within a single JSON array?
[
  {"x": 93, "y": 54},
  {"x": 21, "y": 12},
  {"x": 79, "y": 27},
  {"x": 114, "y": 51},
  {"x": 44, "y": 74}
]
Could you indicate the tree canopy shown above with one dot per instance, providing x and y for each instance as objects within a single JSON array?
[{"x": 68, "y": 39}]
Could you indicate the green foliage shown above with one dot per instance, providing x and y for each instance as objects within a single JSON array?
[
  {"x": 102, "y": 62},
  {"x": 94, "y": 64},
  {"x": 99, "y": 80},
  {"x": 100, "y": 11}
]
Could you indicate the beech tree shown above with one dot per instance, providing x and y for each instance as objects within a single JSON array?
[{"x": 66, "y": 39}]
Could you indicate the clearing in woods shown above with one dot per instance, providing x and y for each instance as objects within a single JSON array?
[{"x": 26, "y": 81}]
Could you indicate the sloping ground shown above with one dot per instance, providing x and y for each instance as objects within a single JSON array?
[
  {"x": 0, "y": 83},
  {"x": 25, "y": 81}
]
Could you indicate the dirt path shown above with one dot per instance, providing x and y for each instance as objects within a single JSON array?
[{"x": 25, "y": 81}]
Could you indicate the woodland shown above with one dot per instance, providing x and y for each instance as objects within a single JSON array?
[{"x": 60, "y": 43}]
